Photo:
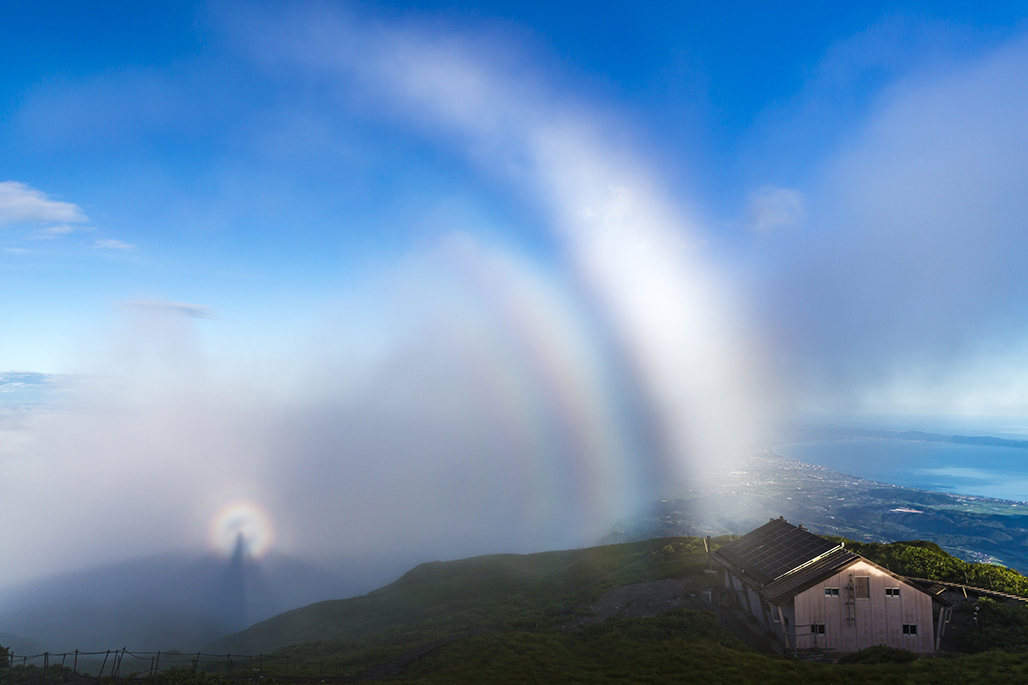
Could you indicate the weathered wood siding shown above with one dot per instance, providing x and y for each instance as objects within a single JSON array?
[{"x": 853, "y": 623}]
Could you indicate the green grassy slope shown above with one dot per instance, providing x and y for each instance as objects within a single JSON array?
[
  {"x": 922, "y": 559},
  {"x": 526, "y": 598},
  {"x": 438, "y": 599},
  {"x": 619, "y": 658}
]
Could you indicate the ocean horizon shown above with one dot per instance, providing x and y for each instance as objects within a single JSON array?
[{"x": 951, "y": 468}]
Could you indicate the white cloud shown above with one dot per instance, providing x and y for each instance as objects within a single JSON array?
[
  {"x": 112, "y": 244},
  {"x": 480, "y": 419},
  {"x": 634, "y": 249},
  {"x": 771, "y": 207},
  {"x": 20, "y": 203},
  {"x": 915, "y": 272},
  {"x": 194, "y": 311},
  {"x": 59, "y": 229}
]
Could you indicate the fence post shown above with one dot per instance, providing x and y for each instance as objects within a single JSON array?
[
  {"x": 157, "y": 663},
  {"x": 102, "y": 666},
  {"x": 229, "y": 657},
  {"x": 75, "y": 667},
  {"x": 46, "y": 662},
  {"x": 260, "y": 663},
  {"x": 197, "y": 662}
]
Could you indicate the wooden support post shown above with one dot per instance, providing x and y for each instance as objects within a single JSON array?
[{"x": 102, "y": 666}]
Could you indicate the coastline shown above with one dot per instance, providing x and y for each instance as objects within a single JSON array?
[
  {"x": 978, "y": 470},
  {"x": 830, "y": 502}
]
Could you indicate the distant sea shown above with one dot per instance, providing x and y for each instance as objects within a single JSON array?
[{"x": 983, "y": 470}]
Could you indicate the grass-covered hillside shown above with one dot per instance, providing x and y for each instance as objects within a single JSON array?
[
  {"x": 536, "y": 608},
  {"x": 533, "y": 592},
  {"x": 613, "y": 654},
  {"x": 528, "y": 600},
  {"x": 921, "y": 559}
]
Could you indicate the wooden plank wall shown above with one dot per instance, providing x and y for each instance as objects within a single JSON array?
[{"x": 876, "y": 620}]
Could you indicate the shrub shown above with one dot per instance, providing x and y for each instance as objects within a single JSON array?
[{"x": 879, "y": 654}]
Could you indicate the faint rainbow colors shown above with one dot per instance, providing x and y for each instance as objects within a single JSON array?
[
  {"x": 551, "y": 380},
  {"x": 246, "y": 519}
]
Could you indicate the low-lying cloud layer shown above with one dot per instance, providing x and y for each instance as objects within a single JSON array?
[{"x": 906, "y": 289}]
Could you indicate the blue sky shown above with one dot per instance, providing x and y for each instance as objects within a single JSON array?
[{"x": 568, "y": 252}]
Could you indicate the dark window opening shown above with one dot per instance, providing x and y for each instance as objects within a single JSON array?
[
  {"x": 831, "y": 592},
  {"x": 819, "y": 628},
  {"x": 910, "y": 629},
  {"x": 892, "y": 592}
]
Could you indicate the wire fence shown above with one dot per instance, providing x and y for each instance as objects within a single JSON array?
[{"x": 121, "y": 663}]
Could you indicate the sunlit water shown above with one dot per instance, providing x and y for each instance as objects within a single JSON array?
[{"x": 998, "y": 472}]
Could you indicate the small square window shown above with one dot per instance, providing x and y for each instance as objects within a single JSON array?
[
  {"x": 892, "y": 592},
  {"x": 910, "y": 629},
  {"x": 818, "y": 628},
  {"x": 831, "y": 592}
]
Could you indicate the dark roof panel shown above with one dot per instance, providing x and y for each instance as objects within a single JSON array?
[
  {"x": 774, "y": 549},
  {"x": 796, "y": 582}
]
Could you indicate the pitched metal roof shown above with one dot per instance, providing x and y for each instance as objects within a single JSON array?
[
  {"x": 775, "y": 549},
  {"x": 781, "y": 560},
  {"x": 825, "y": 567}
]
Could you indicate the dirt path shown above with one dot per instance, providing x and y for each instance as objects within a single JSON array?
[{"x": 638, "y": 601}]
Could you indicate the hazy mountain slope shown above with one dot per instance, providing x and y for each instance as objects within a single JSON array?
[{"x": 172, "y": 601}]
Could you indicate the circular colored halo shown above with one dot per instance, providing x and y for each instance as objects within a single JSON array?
[{"x": 246, "y": 519}]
